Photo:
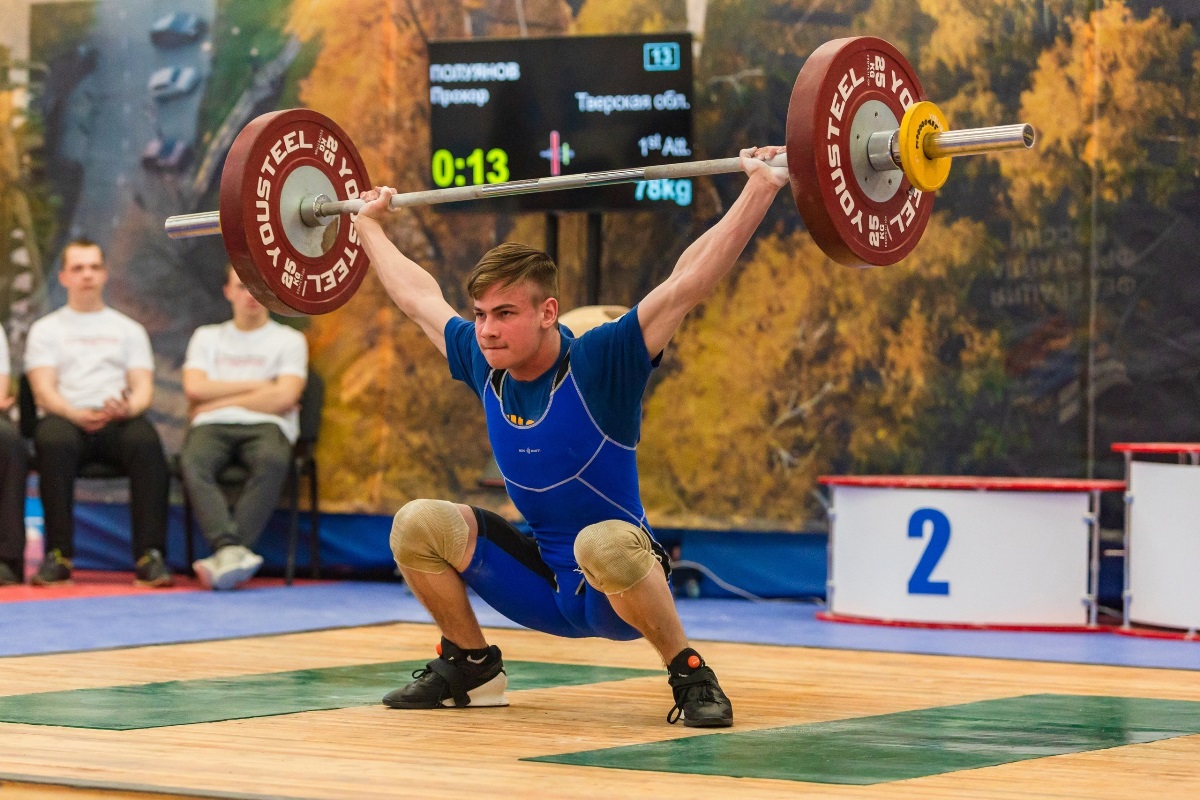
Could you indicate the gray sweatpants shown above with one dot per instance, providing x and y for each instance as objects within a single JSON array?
[{"x": 263, "y": 450}]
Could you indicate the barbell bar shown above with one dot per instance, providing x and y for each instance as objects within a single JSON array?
[
  {"x": 316, "y": 210},
  {"x": 863, "y": 148}
]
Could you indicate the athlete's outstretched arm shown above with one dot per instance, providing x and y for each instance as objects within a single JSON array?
[
  {"x": 412, "y": 288},
  {"x": 710, "y": 258}
]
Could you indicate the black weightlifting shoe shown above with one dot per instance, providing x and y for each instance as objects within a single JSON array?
[
  {"x": 152, "y": 571},
  {"x": 456, "y": 679},
  {"x": 54, "y": 571},
  {"x": 8, "y": 575},
  {"x": 699, "y": 701}
]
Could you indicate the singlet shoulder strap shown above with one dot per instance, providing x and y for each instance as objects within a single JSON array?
[
  {"x": 497, "y": 378},
  {"x": 563, "y": 368}
]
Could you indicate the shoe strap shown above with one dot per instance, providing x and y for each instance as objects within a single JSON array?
[
  {"x": 681, "y": 686},
  {"x": 453, "y": 677},
  {"x": 699, "y": 676}
]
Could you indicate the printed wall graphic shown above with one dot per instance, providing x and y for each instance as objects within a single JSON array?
[{"x": 1049, "y": 310}]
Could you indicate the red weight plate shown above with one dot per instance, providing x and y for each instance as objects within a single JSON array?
[
  {"x": 255, "y": 224},
  {"x": 846, "y": 224}
]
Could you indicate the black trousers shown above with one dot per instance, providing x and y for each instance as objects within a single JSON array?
[
  {"x": 14, "y": 469},
  {"x": 131, "y": 445}
]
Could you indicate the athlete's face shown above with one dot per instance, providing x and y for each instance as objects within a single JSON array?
[{"x": 512, "y": 329}]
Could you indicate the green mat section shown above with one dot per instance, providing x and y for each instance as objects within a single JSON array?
[
  {"x": 911, "y": 744},
  {"x": 156, "y": 705}
]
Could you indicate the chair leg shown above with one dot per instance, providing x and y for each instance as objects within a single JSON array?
[
  {"x": 189, "y": 530},
  {"x": 293, "y": 524},
  {"x": 314, "y": 521}
]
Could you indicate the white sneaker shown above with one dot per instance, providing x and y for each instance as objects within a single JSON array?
[
  {"x": 234, "y": 566},
  {"x": 204, "y": 568}
]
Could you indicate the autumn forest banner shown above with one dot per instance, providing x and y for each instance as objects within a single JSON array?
[{"x": 1050, "y": 309}]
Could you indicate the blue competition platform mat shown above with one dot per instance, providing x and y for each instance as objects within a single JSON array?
[{"x": 91, "y": 623}]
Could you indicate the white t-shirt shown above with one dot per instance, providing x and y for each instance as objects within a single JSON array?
[
  {"x": 224, "y": 353},
  {"x": 92, "y": 351}
]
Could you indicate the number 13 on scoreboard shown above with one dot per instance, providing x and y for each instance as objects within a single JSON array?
[{"x": 660, "y": 56}]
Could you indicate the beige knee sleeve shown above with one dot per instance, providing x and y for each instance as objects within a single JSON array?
[
  {"x": 429, "y": 536},
  {"x": 614, "y": 555}
]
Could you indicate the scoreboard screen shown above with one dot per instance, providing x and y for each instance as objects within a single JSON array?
[{"x": 515, "y": 109}]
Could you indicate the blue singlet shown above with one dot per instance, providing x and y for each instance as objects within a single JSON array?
[{"x": 565, "y": 443}]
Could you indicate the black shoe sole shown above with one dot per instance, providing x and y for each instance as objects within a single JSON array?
[
  {"x": 401, "y": 704},
  {"x": 156, "y": 583},
  {"x": 439, "y": 706},
  {"x": 707, "y": 723}
]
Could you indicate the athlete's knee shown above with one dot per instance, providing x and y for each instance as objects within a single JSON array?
[
  {"x": 429, "y": 536},
  {"x": 614, "y": 555}
]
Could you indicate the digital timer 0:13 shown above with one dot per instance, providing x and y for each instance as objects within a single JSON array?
[{"x": 451, "y": 171}]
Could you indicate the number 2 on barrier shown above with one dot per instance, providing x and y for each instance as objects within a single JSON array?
[{"x": 939, "y": 537}]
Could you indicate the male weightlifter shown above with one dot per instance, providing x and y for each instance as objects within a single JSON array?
[{"x": 564, "y": 420}]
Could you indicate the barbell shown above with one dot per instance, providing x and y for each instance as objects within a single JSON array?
[{"x": 864, "y": 147}]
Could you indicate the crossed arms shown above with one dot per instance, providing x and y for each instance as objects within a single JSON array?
[{"x": 275, "y": 396}]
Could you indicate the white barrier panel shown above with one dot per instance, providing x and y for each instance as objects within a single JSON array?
[
  {"x": 1164, "y": 545},
  {"x": 965, "y": 557}
]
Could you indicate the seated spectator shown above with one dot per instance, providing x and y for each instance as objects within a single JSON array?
[
  {"x": 14, "y": 468},
  {"x": 92, "y": 374},
  {"x": 243, "y": 379}
]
